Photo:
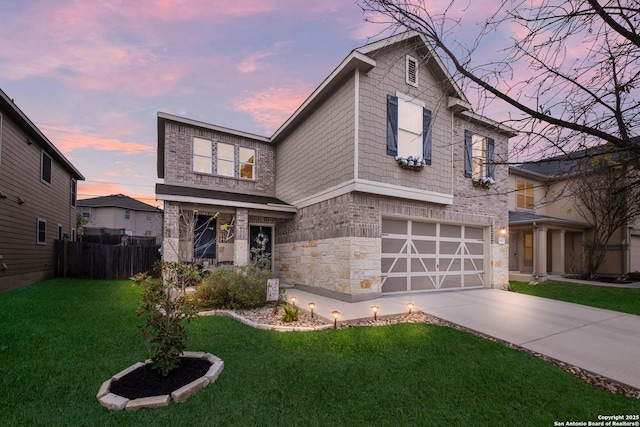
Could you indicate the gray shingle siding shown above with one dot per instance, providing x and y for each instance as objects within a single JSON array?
[
  {"x": 319, "y": 154},
  {"x": 388, "y": 77}
]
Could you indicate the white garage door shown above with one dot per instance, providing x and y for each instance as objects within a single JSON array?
[
  {"x": 420, "y": 256},
  {"x": 635, "y": 254}
]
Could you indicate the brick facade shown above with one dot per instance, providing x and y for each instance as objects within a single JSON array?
[{"x": 330, "y": 162}]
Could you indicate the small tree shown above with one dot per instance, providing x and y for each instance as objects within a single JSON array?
[
  {"x": 607, "y": 201},
  {"x": 166, "y": 308}
]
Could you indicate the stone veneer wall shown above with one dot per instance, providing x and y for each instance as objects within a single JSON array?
[
  {"x": 346, "y": 267},
  {"x": 334, "y": 246}
]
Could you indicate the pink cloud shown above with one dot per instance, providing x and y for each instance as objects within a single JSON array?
[
  {"x": 253, "y": 61},
  {"x": 68, "y": 139},
  {"x": 271, "y": 107},
  {"x": 89, "y": 189}
]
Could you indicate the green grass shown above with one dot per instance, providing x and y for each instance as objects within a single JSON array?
[
  {"x": 60, "y": 339},
  {"x": 625, "y": 300}
]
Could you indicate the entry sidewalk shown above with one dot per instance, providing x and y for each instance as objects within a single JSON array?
[{"x": 601, "y": 341}]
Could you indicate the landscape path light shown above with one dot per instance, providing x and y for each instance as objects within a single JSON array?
[
  {"x": 335, "y": 315},
  {"x": 410, "y": 306},
  {"x": 312, "y": 305},
  {"x": 375, "y": 308},
  {"x": 293, "y": 300}
]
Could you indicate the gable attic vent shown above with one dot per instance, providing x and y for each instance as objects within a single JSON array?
[{"x": 412, "y": 71}]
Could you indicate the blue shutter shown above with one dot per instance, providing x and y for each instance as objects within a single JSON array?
[
  {"x": 426, "y": 135},
  {"x": 491, "y": 153},
  {"x": 392, "y": 125},
  {"x": 467, "y": 153}
]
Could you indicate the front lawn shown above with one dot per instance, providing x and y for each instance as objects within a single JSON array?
[
  {"x": 625, "y": 300},
  {"x": 60, "y": 339}
]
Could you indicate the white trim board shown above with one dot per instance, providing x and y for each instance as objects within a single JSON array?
[{"x": 378, "y": 188}]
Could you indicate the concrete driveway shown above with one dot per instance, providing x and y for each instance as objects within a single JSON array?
[{"x": 602, "y": 341}]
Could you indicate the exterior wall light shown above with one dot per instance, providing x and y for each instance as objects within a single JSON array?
[{"x": 503, "y": 231}]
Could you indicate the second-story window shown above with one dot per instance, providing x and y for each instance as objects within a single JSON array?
[
  {"x": 408, "y": 129},
  {"x": 127, "y": 214},
  {"x": 45, "y": 168},
  {"x": 225, "y": 159},
  {"x": 524, "y": 195},
  {"x": 479, "y": 153},
  {"x": 247, "y": 163},
  {"x": 201, "y": 155}
]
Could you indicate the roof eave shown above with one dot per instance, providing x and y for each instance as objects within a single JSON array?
[
  {"x": 355, "y": 60},
  {"x": 485, "y": 121},
  {"x": 42, "y": 139}
]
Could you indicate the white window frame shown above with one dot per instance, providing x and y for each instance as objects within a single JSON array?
[
  {"x": 44, "y": 223},
  {"x": 405, "y": 131},
  {"x": 247, "y": 164},
  {"x": 149, "y": 216},
  {"x": 522, "y": 193},
  {"x": 411, "y": 64},
  {"x": 479, "y": 156},
  {"x": 73, "y": 234},
  {"x": 60, "y": 232},
  {"x": 74, "y": 192},
  {"x": 127, "y": 214},
  {"x": 42, "y": 177},
  {"x": 220, "y": 159},
  {"x": 201, "y": 155}
]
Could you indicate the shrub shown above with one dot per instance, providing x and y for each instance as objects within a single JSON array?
[
  {"x": 244, "y": 287},
  {"x": 291, "y": 313},
  {"x": 213, "y": 291}
]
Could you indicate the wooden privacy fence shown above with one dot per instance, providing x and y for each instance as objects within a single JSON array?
[{"x": 97, "y": 261}]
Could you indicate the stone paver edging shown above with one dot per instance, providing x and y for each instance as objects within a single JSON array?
[
  {"x": 264, "y": 326},
  {"x": 113, "y": 401}
]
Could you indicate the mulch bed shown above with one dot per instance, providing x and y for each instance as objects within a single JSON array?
[{"x": 146, "y": 381}]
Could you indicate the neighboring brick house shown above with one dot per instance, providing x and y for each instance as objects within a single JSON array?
[
  {"x": 121, "y": 215},
  {"x": 547, "y": 233},
  {"x": 38, "y": 188},
  {"x": 333, "y": 190}
]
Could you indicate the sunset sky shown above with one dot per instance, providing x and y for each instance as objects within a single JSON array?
[{"x": 92, "y": 75}]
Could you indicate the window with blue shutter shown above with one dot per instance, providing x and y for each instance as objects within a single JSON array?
[
  {"x": 479, "y": 156},
  {"x": 392, "y": 125},
  {"x": 409, "y": 130}
]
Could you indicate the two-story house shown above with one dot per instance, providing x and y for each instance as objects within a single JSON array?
[
  {"x": 120, "y": 215},
  {"x": 38, "y": 188},
  {"x": 547, "y": 232},
  {"x": 379, "y": 183}
]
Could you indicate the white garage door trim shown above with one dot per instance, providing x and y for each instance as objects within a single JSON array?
[{"x": 420, "y": 256}]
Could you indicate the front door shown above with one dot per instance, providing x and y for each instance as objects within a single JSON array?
[{"x": 261, "y": 239}]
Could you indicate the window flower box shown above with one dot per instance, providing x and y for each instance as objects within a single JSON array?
[
  {"x": 486, "y": 181},
  {"x": 413, "y": 163}
]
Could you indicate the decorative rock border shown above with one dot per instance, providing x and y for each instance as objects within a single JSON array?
[
  {"x": 113, "y": 401},
  {"x": 264, "y": 326}
]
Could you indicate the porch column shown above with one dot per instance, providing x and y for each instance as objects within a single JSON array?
[
  {"x": 171, "y": 232},
  {"x": 557, "y": 252},
  {"x": 241, "y": 244},
  {"x": 540, "y": 256}
]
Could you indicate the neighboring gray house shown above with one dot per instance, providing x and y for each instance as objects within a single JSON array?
[
  {"x": 345, "y": 210},
  {"x": 121, "y": 215},
  {"x": 38, "y": 188}
]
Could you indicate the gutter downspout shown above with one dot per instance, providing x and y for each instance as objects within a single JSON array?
[{"x": 536, "y": 242}]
